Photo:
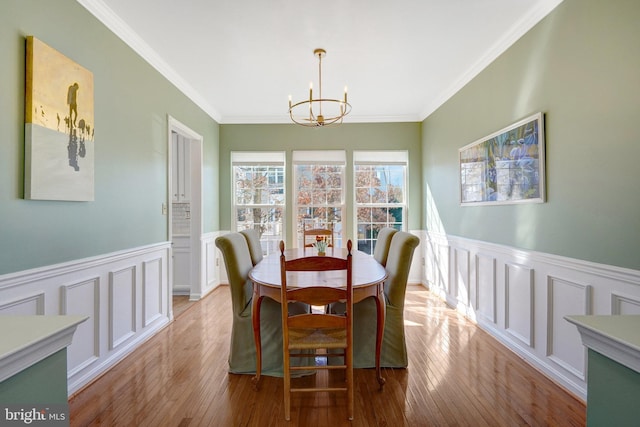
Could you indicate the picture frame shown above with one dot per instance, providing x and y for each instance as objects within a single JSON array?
[{"x": 506, "y": 167}]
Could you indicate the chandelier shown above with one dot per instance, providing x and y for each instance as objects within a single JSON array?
[{"x": 320, "y": 111}]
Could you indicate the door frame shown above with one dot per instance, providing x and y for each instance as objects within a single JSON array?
[{"x": 195, "y": 170}]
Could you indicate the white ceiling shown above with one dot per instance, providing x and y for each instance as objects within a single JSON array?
[{"x": 239, "y": 60}]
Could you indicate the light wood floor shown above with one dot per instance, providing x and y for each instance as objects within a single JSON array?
[
  {"x": 458, "y": 376},
  {"x": 180, "y": 304}
]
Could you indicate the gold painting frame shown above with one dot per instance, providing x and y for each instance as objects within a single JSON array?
[{"x": 59, "y": 126}]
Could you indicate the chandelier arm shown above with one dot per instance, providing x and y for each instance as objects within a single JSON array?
[
  {"x": 312, "y": 121},
  {"x": 319, "y": 120}
]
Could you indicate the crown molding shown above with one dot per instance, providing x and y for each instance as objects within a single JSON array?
[
  {"x": 518, "y": 29},
  {"x": 113, "y": 22},
  {"x": 284, "y": 119}
]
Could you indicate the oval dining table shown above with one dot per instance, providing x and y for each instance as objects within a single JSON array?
[{"x": 368, "y": 279}]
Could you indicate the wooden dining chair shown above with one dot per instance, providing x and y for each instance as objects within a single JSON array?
[
  {"x": 315, "y": 331},
  {"x": 311, "y": 235}
]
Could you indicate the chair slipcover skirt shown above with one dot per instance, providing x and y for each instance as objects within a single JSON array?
[{"x": 394, "y": 348}]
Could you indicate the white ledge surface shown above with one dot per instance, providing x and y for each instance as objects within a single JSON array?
[
  {"x": 27, "y": 340},
  {"x": 616, "y": 337}
]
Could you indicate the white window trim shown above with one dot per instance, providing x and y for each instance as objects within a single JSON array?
[{"x": 381, "y": 157}]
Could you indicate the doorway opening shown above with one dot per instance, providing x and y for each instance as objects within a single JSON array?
[{"x": 185, "y": 210}]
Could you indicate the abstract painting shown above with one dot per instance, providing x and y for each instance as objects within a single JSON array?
[
  {"x": 59, "y": 126},
  {"x": 506, "y": 166}
]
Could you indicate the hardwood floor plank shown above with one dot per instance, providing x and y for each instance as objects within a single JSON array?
[{"x": 458, "y": 375}]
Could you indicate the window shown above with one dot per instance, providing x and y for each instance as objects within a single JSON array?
[
  {"x": 380, "y": 194},
  {"x": 259, "y": 195},
  {"x": 319, "y": 191}
]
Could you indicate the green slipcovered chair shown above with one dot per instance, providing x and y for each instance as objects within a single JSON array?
[
  {"x": 253, "y": 240},
  {"x": 242, "y": 351},
  {"x": 394, "y": 347},
  {"x": 383, "y": 241}
]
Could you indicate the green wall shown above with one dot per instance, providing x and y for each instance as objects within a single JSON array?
[
  {"x": 348, "y": 136},
  {"x": 41, "y": 383},
  {"x": 132, "y": 101},
  {"x": 612, "y": 392},
  {"x": 580, "y": 66}
]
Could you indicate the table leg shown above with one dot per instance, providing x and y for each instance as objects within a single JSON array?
[
  {"x": 380, "y": 331},
  {"x": 255, "y": 316}
]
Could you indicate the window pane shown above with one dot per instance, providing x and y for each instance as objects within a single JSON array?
[
  {"x": 395, "y": 216},
  {"x": 379, "y": 194},
  {"x": 259, "y": 202},
  {"x": 334, "y": 178},
  {"x": 319, "y": 181},
  {"x": 334, "y": 197},
  {"x": 319, "y": 197},
  {"x": 379, "y": 198},
  {"x": 304, "y": 197},
  {"x": 276, "y": 196},
  {"x": 396, "y": 179},
  {"x": 363, "y": 176},
  {"x": 363, "y": 195}
]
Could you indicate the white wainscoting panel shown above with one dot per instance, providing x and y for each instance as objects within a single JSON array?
[
  {"x": 624, "y": 304},
  {"x": 443, "y": 265},
  {"x": 153, "y": 297},
  {"x": 125, "y": 294},
  {"x": 122, "y": 305},
  {"x": 416, "y": 271},
  {"x": 463, "y": 277},
  {"x": 430, "y": 264},
  {"x": 83, "y": 298},
  {"x": 31, "y": 305},
  {"x": 438, "y": 258},
  {"x": 519, "y": 302},
  {"x": 566, "y": 298},
  {"x": 521, "y": 298},
  {"x": 210, "y": 274},
  {"x": 485, "y": 289}
]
